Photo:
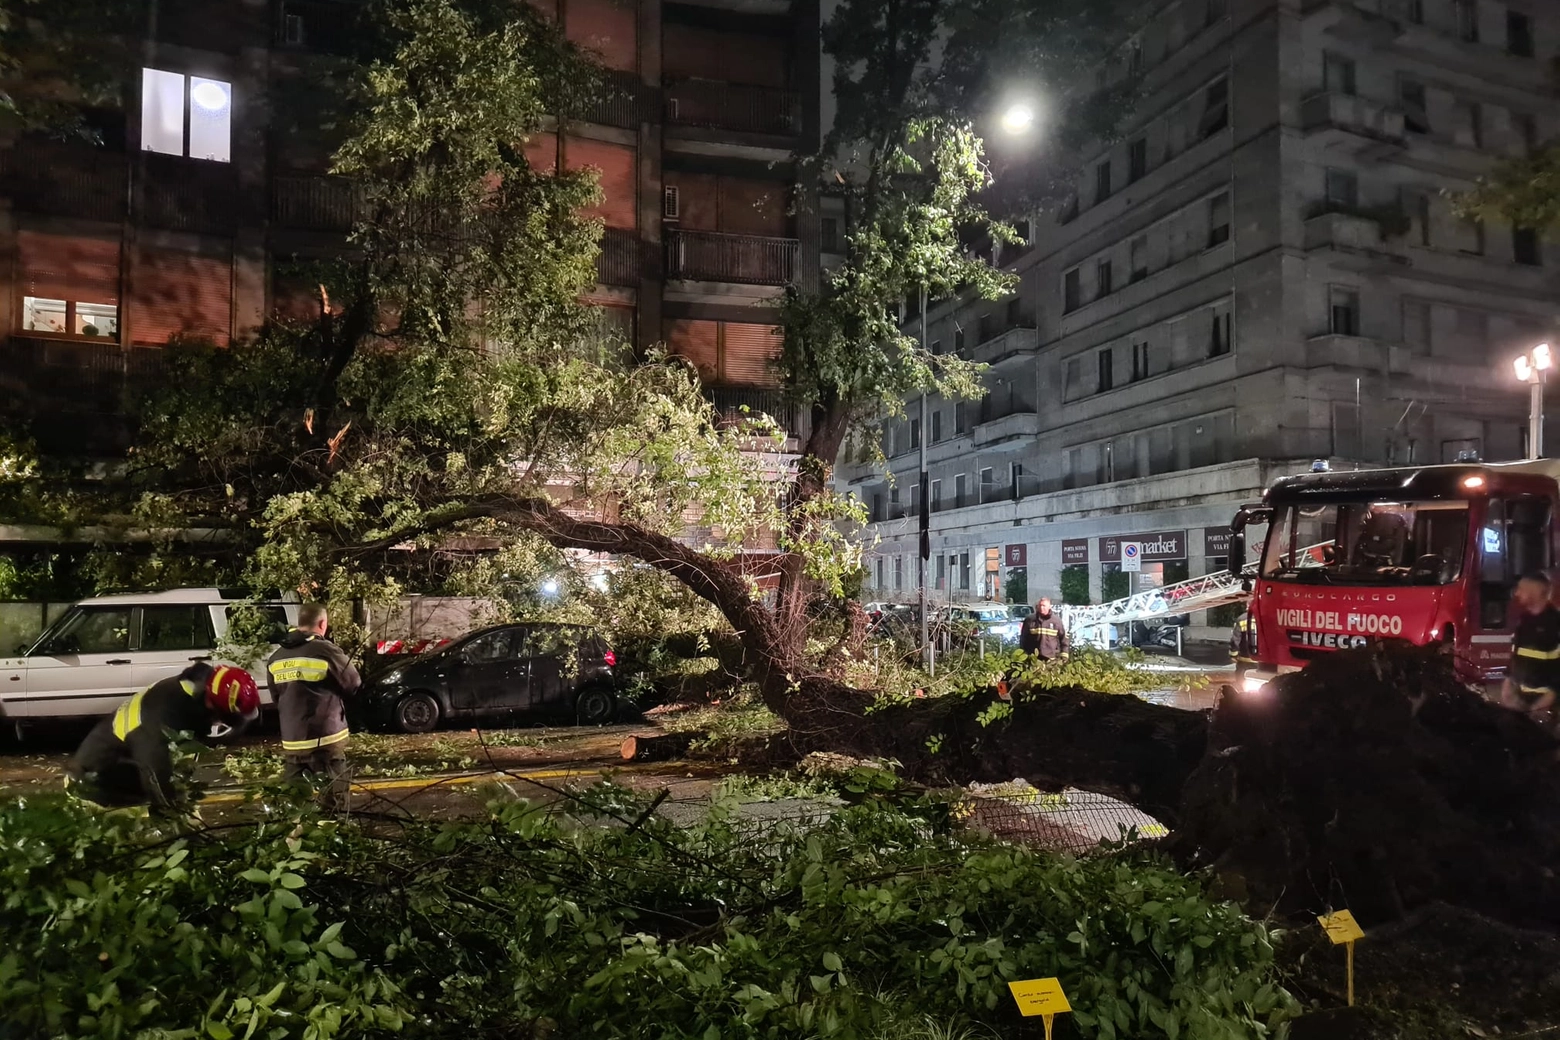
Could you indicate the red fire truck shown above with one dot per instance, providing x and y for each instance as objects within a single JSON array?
[{"x": 1430, "y": 554}]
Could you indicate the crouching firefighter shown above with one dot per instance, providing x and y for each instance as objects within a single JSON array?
[
  {"x": 125, "y": 760},
  {"x": 309, "y": 675}
]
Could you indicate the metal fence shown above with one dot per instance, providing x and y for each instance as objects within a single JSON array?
[
  {"x": 733, "y": 106},
  {"x": 716, "y": 257}
]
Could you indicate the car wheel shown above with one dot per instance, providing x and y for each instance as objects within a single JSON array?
[
  {"x": 595, "y": 706},
  {"x": 417, "y": 713}
]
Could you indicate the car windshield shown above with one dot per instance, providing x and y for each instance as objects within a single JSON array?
[{"x": 1368, "y": 543}]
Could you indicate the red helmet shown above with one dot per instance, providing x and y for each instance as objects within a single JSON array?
[{"x": 231, "y": 692}]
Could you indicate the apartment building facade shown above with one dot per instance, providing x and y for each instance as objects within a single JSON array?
[
  {"x": 1264, "y": 270},
  {"x": 190, "y": 215}
]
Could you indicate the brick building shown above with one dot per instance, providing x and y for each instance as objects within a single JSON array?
[{"x": 185, "y": 219}]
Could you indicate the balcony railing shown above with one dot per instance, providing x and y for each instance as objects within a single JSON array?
[
  {"x": 733, "y": 106},
  {"x": 617, "y": 100},
  {"x": 1352, "y": 114},
  {"x": 314, "y": 203},
  {"x": 69, "y": 180},
  {"x": 730, "y": 402},
  {"x": 709, "y": 256},
  {"x": 619, "y": 260}
]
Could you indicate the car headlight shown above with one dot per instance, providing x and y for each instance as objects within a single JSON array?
[{"x": 391, "y": 678}]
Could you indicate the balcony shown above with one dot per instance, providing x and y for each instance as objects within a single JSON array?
[
  {"x": 75, "y": 392},
  {"x": 618, "y": 100},
  {"x": 736, "y": 403},
  {"x": 70, "y": 180},
  {"x": 718, "y": 105},
  {"x": 314, "y": 203},
  {"x": 1343, "y": 118},
  {"x": 618, "y": 263},
  {"x": 191, "y": 195},
  {"x": 709, "y": 256},
  {"x": 1017, "y": 340},
  {"x": 1013, "y": 425}
]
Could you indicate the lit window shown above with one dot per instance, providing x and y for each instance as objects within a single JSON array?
[
  {"x": 186, "y": 115},
  {"x": 70, "y": 317}
]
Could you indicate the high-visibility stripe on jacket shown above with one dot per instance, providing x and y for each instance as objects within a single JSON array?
[
  {"x": 127, "y": 717},
  {"x": 1535, "y": 652}
]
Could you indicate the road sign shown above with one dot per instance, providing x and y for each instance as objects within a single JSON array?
[{"x": 1131, "y": 556}]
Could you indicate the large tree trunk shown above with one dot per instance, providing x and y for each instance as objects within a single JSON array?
[{"x": 1373, "y": 779}]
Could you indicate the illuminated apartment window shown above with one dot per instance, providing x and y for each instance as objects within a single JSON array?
[
  {"x": 70, "y": 317},
  {"x": 186, "y": 115}
]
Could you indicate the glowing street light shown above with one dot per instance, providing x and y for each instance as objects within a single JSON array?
[
  {"x": 1018, "y": 117},
  {"x": 550, "y": 587},
  {"x": 1530, "y": 369}
]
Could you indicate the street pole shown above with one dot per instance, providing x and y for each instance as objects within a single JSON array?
[
  {"x": 928, "y": 659},
  {"x": 1535, "y": 416}
]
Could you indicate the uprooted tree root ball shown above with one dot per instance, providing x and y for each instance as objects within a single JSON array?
[{"x": 1373, "y": 779}]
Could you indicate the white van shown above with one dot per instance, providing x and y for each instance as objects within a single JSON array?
[{"x": 104, "y": 649}]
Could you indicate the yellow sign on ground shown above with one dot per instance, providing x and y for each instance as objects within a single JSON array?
[
  {"x": 1341, "y": 927},
  {"x": 1040, "y": 997}
]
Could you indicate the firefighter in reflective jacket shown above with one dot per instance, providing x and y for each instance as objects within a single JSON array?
[
  {"x": 1043, "y": 633},
  {"x": 125, "y": 759},
  {"x": 1534, "y": 675},
  {"x": 1243, "y": 643},
  {"x": 309, "y": 675}
]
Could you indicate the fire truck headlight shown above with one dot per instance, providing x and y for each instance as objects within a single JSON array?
[{"x": 1253, "y": 684}]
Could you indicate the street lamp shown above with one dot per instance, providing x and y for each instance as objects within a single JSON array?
[
  {"x": 1530, "y": 369},
  {"x": 1018, "y": 117}
]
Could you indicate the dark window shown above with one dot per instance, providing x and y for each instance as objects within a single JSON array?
[
  {"x": 936, "y": 496},
  {"x": 877, "y": 514},
  {"x": 1104, "y": 278},
  {"x": 1415, "y": 113},
  {"x": 1473, "y": 237},
  {"x": 1069, "y": 211},
  {"x": 1416, "y": 11},
  {"x": 1345, "y": 312},
  {"x": 1343, "y": 190},
  {"x": 1216, "y": 108},
  {"x": 1524, "y": 246},
  {"x": 1519, "y": 34},
  {"x": 1102, "y": 182},
  {"x": 1072, "y": 291},
  {"x": 958, "y": 341},
  {"x": 829, "y": 234},
  {"x": 1139, "y": 259},
  {"x": 1526, "y": 126},
  {"x": 1219, "y": 219},
  {"x": 502, "y": 645},
  {"x": 1337, "y": 74},
  {"x": 1139, "y": 361},
  {"x": 1424, "y": 220},
  {"x": 1467, "y": 20},
  {"x": 176, "y": 628},
  {"x": 92, "y": 630},
  {"x": 1135, "y": 58},
  {"x": 915, "y": 434},
  {"x": 1219, "y": 335},
  {"x": 936, "y": 346},
  {"x": 960, "y": 418},
  {"x": 1137, "y": 159},
  {"x": 1105, "y": 360},
  {"x": 1015, "y": 313},
  {"x": 937, "y": 426}
]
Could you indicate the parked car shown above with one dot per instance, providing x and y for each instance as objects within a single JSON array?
[
  {"x": 104, "y": 649},
  {"x": 990, "y": 618},
  {"x": 1019, "y": 611},
  {"x": 538, "y": 670}
]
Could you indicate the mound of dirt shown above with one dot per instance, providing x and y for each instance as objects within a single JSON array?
[{"x": 1375, "y": 780}]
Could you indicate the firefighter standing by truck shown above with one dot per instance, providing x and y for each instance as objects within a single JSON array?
[
  {"x": 1043, "y": 633},
  {"x": 1534, "y": 674},
  {"x": 125, "y": 759},
  {"x": 1243, "y": 643},
  {"x": 309, "y": 675}
]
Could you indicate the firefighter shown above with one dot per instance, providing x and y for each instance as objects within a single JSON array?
[
  {"x": 125, "y": 759},
  {"x": 309, "y": 675},
  {"x": 1243, "y": 643},
  {"x": 1043, "y": 633},
  {"x": 1534, "y": 674}
]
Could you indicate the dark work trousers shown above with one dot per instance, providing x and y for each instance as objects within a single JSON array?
[
  {"x": 135, "y": 771},
  {"x": 327, "y": 765}
]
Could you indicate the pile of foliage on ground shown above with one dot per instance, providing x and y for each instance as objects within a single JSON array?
[{"x": 603, "y": 920}]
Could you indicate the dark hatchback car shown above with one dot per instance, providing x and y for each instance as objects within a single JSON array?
[{"x": 555, "y": 671}]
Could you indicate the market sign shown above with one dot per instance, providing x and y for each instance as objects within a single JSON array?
[
  {"x": 1165, "y": 545},
  {"x": 1074, "y": 551}
]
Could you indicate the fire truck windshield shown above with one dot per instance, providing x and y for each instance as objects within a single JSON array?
[{"x": 1367, "y": 543}]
